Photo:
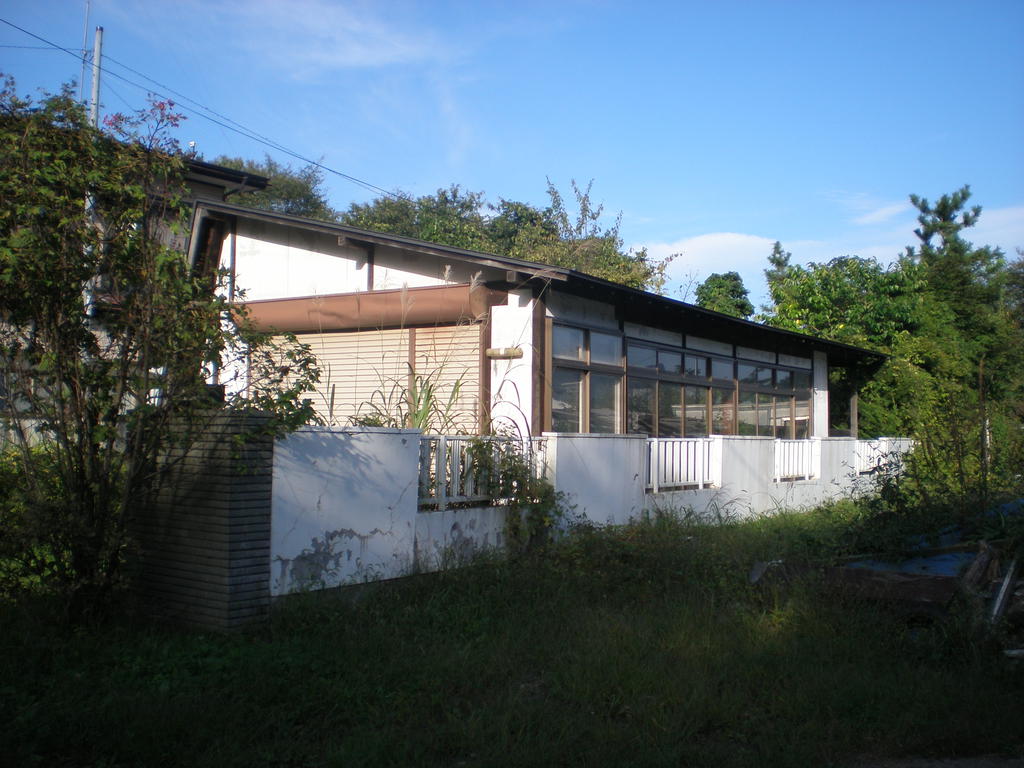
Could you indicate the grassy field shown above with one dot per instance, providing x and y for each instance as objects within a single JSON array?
[{"x": 642, "y": 645}]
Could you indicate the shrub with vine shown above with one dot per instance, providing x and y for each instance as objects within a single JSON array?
[{"x": 507, "y": 468}]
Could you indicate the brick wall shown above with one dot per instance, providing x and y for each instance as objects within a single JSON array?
[{"x": 204, "y": 540}]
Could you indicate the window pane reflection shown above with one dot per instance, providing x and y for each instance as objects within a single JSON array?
[
  {"x": 567, "y": 343},
  {"x": 641, "y": 407},
  {"x": 696, "y": 411},
  {"x": 643, "y": 357},
  {"x": 723, "y": 413},
  {"x": 605, "y": 349},
  {"x": 566, "y": 397},
  {"x": 604, "y": 403},
  {"x": 748, "y": 413},
  {"x": 670, "y": 410}
]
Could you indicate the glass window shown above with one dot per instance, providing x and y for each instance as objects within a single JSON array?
[
  {"x": 670, "y": 362},
  {"x": 802, "y": 420},
  {"x": 783, "y": 379},
  {"x": 696, "y": 411},
  {"x": 567, "y": 343},
  {"x": 642, "y": 357},
  {"x": 764, "y": 376},
  {"x": 802, "y": 379},
  {"x": 746, "y": 373},
  {"x": 783, "y": 417},
  {"x": 670, "y": 410},
  {"x": 641, "y": 407},
  {"x": 764, "y": 415},
  {"x": 697, "y": 366},
  {"x": 566, "y": 398},
  {"x": 723, "y": 413},
  {"x": 605, "y": 348},
  {"x": 604, "y": 402},
  {"x": 721, "y": 369},
  {"x": 747, "y": 422}
]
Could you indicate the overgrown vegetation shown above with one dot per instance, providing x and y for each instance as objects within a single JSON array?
[
  {"x": 507, "y": 469},
  {"x": 108, "y": 339},
  {"x": 640, "y": 645},
  {"x": 948, "y": 313}
]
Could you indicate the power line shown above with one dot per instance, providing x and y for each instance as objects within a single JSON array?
[{"x": 200, "y": 110}]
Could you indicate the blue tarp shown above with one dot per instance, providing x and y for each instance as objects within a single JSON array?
[{"x": 949, "y": 564}]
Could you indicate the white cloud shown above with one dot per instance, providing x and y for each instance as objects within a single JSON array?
[
  {"x": 1002, "y": 227},
  {"x": 883, "y": 214},
  {"x": 310, "y": 38},
  {"x": 703, "y": 255},
  {"x": 867, "y": 209},
  {"x": 715, "y": 252}
]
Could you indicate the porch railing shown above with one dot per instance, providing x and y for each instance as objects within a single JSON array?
[
  {"x": 794, "y": 460},
  {"x": 678, "y": 462},
  {"x": 459, "y": 470}
]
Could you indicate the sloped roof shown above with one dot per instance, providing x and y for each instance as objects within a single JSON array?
[{"x": 633, "y": 305}]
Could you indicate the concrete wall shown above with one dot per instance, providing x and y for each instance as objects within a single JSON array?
[
  {"x": 602, "y": 476},
  {"x": 745, "y": 486},
  {"x": 452, "y": 536},
  {"x": 344, "y": 507},
  {"x": 324, "y": 507}
]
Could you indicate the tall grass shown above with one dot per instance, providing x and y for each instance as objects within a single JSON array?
[{"x": 641, "y": 645}]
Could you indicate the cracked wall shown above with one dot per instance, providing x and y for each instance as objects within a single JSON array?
[{"x": 343, "y": 508}]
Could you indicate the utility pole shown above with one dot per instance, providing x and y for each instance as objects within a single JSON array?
[
  {"x": 97, "y": 53},
  {"x": 88, "y": 291},
  {"x": 85, "y": 40}
]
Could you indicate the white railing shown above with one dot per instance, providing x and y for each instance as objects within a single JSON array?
[
  {"x": 459, "y": 470},
  {"x": 678, "y": 462},
  {"x": 794, "y": 460}
]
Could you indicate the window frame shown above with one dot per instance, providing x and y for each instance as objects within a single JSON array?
[{"x": 586, "y": 367}]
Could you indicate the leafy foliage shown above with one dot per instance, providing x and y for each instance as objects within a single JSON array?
[
  {"x": 294, "y": 191},
  {"x": 574, "y": 238},
  {"x": 107, "y": 338},
  {"x": 507, "y": 468},
  {"x": 948, "y": 315},
  {"x": 725, "y": 293}
]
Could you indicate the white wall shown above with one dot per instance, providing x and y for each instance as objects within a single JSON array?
[
  {"x": 512, "y": 380},
  {"x": 746, "y": 486},
  {"x": 602, "y": 476},
  {"x": 452, "y": 536},
  {"x": 394, "y": 268},
  {"x": 343, "y": 507},
  {"x": 275, "y": 262},
  {"x": 345, "y": 501}
]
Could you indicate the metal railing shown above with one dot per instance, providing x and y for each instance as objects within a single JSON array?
[
  {"x": 460, "y": 470},
  {"x": 678, "y": 462}
]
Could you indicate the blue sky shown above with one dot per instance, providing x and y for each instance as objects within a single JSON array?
[{"x": 715, "y": 128}]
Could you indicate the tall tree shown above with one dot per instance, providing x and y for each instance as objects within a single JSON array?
[
  {"x": 558, "y": 235},
  {"x": 725, "y": 293},
  {"x": 945, "y": 315},
  {"x": 451, "y": 216},
  {"x": 106, "y": 339},
  {"x": 295, "y": 191}
]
